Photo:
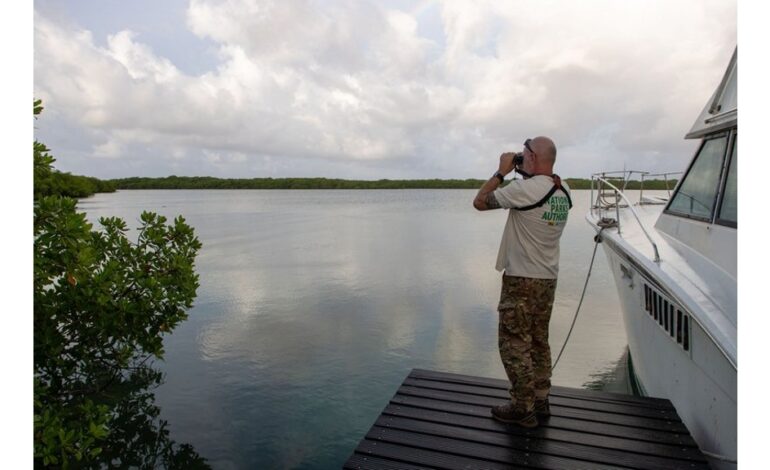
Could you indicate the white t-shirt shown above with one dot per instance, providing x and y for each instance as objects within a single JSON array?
[{"x": 530, "y": 244}]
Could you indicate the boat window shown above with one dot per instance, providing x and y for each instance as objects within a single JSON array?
[
  {"x": 679, "y": 326},
  {"x": 728, "y": 212},
  {"x": 696, "y": 195}
]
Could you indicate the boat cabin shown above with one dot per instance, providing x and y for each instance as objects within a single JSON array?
[{"x": 703, "y": 211}]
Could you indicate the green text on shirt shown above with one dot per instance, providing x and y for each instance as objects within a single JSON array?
[{"x": 559, "y": 208}]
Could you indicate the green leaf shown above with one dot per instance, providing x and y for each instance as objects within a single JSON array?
[{"x": 102, "y": 304}]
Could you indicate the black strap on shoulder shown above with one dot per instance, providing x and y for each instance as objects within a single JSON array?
[
  {"x": 556, "y": 185},
  {"x": 523, "y": 173}
]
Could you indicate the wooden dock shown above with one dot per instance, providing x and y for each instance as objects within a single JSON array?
[{"x": 442, "y": 420}]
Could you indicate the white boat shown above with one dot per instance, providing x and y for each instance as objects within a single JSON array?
[{"x": 675, "y": 269}]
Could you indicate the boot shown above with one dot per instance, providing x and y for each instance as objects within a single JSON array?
[
  {"x": 542, "y": 408},
  {"x": 508, "y": 413}
]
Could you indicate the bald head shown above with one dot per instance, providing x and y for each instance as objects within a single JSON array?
[
  {"x": 546, "y": 153},
  {"x": 544, "y": 147}
]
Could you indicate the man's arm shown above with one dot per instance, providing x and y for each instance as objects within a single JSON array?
[{"x": 485, "y": 199}]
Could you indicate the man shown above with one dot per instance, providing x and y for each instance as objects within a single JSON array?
[{"x": 529, "y": 257}]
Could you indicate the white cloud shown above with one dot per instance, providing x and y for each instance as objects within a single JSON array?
[
  {"x": 110, "y": 149},
  {"x": 138, "y": 59},
  {"x": 317, "y": 85}
]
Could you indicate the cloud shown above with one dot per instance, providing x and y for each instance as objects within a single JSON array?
[
  {"x": 109, "y": 149},
  {"x": 139, "y": 61},
  {"x": 311, "y": 88}
]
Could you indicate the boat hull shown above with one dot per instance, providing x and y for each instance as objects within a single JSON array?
[{"x": 696, "y": 377}]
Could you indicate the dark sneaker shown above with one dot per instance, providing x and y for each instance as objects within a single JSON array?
[
  {"x": 542, "y": 408},
  {"x": 509, "y": 414}
]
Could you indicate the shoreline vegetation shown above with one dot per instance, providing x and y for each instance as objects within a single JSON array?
[
  {"x": 102, "y": 307},
  {"x": 78, "y": 186},
  {"x": 56, "y": 183},
  {"x": 207, "y": 182}
]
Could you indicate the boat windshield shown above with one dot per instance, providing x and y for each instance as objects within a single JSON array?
[
  {"x": 696, "y": 196},
  {"x": 728, "y": 211}
]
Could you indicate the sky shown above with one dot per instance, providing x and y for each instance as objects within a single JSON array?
[{"x": 370, "y": 90}]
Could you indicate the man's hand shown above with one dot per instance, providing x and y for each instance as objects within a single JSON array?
[
  {"x": 485, "y": 199},
  {"x": 506, "y": 162}
]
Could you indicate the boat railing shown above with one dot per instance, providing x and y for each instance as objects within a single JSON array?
[
  {"x": 609, "y": 196},
  {"x": 606, "y": 197},
  {"x": 665, "y": 176}
]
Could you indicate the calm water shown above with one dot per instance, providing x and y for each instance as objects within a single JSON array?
[{"x": 314, "y": 306}]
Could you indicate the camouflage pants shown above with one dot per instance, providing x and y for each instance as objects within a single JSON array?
[{"x": 525, "y": 311}]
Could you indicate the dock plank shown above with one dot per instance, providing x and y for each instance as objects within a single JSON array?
[
  {"x": 481, "y": 452},
  {"x": 609, "y": 441},
  {"x": 368, "y": 462},
  {"x": 587, "y": 414},
  {"x": 559, "y": 400},
  {"x": 557, "y": 390},
  {"x": 554, "y": 421},
  {"x": 430, "y": 458},
  {"x": 539, "y": 443},
  {"x": 442, "y": 420}
]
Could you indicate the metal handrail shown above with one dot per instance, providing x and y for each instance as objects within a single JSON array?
[
  {"x": 618, "y": 192},
  {"x": 665, "y": 178},
  {"x": 624, "y": 174}
]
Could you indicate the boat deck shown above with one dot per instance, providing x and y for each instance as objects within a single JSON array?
[{"x": 442, "y": 420}]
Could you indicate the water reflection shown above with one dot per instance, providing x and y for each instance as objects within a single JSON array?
[
  {"x": 137, "y": 437},
  {"x": 313, "y": 307},
  {"x": 612, "y": 379}
]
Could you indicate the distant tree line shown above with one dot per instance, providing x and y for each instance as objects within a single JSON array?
[
  {"x": 208, "y": 182},
  {"x": 68, "y": 185},
  {"x": 631, "y": 184},
  {"x": 48, "y": 181}
]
